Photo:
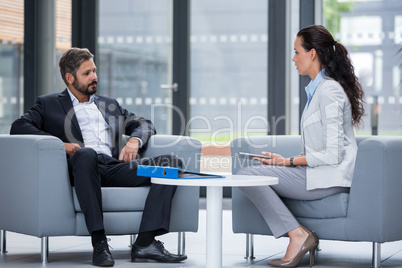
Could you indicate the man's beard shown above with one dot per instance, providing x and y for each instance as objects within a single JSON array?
[{"x": 85, "y": 89}]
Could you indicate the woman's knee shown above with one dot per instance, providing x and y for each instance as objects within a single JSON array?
[
  {"x": 245, "y": 171},
  {"x": 260, "y": 170}
]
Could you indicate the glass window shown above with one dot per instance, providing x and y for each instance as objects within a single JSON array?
[
  {"x": 63, "y": 36},
  {"x": 12, "y": 52},
  {"x": 294, "y": 77},
  {"x": 371, "y": 31},
  {"x": 228, "y": 69},
  {"x": 135, "y": 47},
  {"x": 11, "y": 60}
]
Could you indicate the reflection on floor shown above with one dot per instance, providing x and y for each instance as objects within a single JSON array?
[{"x": 24, "y": 251}]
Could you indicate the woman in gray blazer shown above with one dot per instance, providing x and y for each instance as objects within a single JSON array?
[{"x": 334, "y": 107}]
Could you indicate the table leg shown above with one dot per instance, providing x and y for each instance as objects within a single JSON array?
[{"x": 214, "y": 226}]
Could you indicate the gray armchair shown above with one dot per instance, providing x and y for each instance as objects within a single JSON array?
[
  {"x": 36, "y": 197},
  {"x": 370, "y": 212}
]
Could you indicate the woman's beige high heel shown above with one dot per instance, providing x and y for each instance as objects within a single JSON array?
[
  {"x": 310, "y": 232},
  {"x": 309, "y": 245}
]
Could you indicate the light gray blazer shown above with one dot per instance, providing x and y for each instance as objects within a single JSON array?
[{"x": 328, "y": 137}]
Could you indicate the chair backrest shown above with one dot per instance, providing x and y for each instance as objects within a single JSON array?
[
  {"x": 288, "y": 145},
  {"x": 186, "y": 148}
]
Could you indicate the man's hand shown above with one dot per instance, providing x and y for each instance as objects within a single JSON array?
[
  {"x": 130, "y": 151},
  {"x": 71, "y": 148}
]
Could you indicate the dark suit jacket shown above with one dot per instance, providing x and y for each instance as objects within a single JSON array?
[{"x": 54, "y": 115}]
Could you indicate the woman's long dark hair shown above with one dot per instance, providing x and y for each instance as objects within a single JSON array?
[{"x": 335, "y": 59}]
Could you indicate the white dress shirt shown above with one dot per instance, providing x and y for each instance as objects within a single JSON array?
[{"x": 94, "y": 128}]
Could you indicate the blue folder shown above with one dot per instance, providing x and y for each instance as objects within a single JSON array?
[{"x": 172, "y": 173}]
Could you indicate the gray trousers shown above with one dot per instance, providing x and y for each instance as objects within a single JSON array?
[{"x": 291, "y": 184}]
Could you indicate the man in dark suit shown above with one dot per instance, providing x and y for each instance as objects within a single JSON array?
[{"x": 91, "y": 128}]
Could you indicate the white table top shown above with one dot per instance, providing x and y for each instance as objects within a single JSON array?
[{"x": 229, "y": 180}]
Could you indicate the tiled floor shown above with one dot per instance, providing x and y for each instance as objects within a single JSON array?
[{"x": 24, "y": 251}]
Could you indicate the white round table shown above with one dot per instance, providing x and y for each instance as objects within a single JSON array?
[{"x": 214, "y": 206}]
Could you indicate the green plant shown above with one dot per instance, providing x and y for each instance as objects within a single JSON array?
[{"x": 332, "y": 13}]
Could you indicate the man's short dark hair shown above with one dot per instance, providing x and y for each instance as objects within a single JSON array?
[{"x": 71, "y": 61}]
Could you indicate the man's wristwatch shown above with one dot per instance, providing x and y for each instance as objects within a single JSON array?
[{"x": 291, "y": 162}]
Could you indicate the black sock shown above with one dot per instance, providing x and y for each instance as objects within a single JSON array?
[
  {"x": 145, "y": 239},
  {"x": 98, "y": 236}
]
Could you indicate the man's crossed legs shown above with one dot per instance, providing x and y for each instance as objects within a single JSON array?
[{"x": 90, "y": 171}]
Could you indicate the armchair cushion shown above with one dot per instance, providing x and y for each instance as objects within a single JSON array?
[
  {"x": 333, "y": 206},
  {"x": 119, "y": 199}
]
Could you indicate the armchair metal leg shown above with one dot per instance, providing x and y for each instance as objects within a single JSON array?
[
  {"x": 249, "y": 247},
  {"x": 45, "y": 250},
  {"x": 3, "y": 245},
  {"x": 133, "y": 237},
  {"x": 376, "y": 260},
  {"x": 181, "y": 243}
]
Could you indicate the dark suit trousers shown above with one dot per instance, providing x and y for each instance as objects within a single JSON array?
[{"x": 90, "y": 171}]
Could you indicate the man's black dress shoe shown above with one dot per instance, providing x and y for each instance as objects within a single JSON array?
[
  {"x": 102, "y": 256},
  {"x": 156, "y": 252}
]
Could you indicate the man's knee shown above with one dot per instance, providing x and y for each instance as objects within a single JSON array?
[
  {"x": 85, "y": 154},
  {"x": 81, "y": 164},
  {"x": 176, "y": 162}
]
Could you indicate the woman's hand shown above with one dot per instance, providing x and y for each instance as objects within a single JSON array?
[{"x": 275, "y": 159}]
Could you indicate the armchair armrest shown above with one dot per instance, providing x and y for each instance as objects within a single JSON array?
[
  {"x": 185, "y": 204},
  {"x": 286, "y": 145},
  {"x": 243, "y": 210},
  {"x": 375, "y": 195},
  {"x": 186, "y": 148},
  {"x": 35, "y": 192}
]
